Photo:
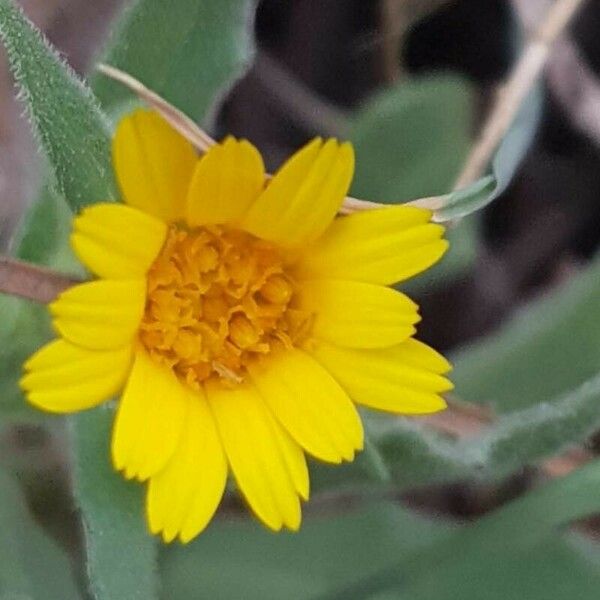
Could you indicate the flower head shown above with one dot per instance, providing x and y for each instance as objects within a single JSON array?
[{"x": 241, "y": 319}]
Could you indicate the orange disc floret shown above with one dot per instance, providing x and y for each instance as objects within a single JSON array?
[{"x": 219, "y": 298}]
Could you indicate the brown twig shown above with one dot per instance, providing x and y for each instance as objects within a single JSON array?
[
  {"x": 520, "y": 82},
  {"x": 31, "y": 282}
]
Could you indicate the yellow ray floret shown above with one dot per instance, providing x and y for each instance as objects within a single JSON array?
[
  {"x": 226, "y": 182},
  {"x": 240, "y": 320},
  {"x": 134, "y": 239},
  {"x": 153, "y": 164},
  {"x": 184, "y": 496}
]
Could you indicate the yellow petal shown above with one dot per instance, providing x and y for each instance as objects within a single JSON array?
[
  {"x": 154, "y": 164},
  {"x": 225, "y": 183},
  {"x": 304, "y": 196},
  {"x": 390, "y": 379},
  {"x": 358, "y": 315},
  {"x": 295, "y": 461},
  {"x": 377, "y": 246},
  {"x": 63, "y": 378},
  {"x": 149, "y": 419},
  {"x": 100, "y": 315},
  {"x": 184, "y": 496},
  {"x": 420, "y": 355},
  {"x": 310, "y": 404},
  {"x": 116, "y": 241},
  {"x": 251, "y": 442}
]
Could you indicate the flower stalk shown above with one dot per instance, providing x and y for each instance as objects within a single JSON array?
[{"x": 31, "y": 282}]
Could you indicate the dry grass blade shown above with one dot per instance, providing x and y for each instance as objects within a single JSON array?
[
  {"x": 519, "y": 84},
  {"x": 178, "y": 120}
]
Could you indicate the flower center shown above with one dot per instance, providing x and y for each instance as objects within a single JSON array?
[{"x": 218, "y": 298}]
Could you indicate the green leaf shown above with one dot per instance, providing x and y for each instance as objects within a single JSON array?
[
  {"x": 521, "y": 531},
  {"x": 555, "y": 569},
  {"x": 121, "y": 552},
  {"x": 411, "y": 140},
  {"x": 505, "y": 163},
  {"x": 545, "y": 429},
  {"x": 64, "y": 115},
  {"x": 32, "y": 566},
  {"x": 188, "y": 51},
  {"x": 44, "y": 235},
  {"x": 415, "y": 455},
  {"x": 550, "y": 348},
  {"x": 356, "y": 550},
  {"x": 243, "y": 560}
]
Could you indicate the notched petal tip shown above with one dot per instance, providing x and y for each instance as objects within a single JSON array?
[{"x": 168, "y": 536}]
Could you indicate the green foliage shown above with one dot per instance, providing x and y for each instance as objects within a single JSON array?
[
  {"x": 44, "y": 235},
  {"x": 411, "y": 140},
  {"x": 522, "y": 530},
  {"x": 411, "y": 455},
  {"x": 121, "y": 553},
  {"x": 366, "y": 551},
  {"x": 543, "y": 430},
  {"x": 414, "y": 455},
  {"x": 32, "y": 567},
  {"x": 187, "y": 51},
  {"x": 549, "y": 348},
  {"x": 242, "y": 560},
  {"x": 64, "y": 115}
]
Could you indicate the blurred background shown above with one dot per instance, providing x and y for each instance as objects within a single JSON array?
[{"x": 410, "y": 83}]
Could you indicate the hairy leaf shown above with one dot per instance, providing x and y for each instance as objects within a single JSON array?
[
  {"x": 121, "y": 552},
  {"x": 64, "y": 114}
]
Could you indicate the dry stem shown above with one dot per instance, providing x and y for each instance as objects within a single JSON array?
[
  {"x": 519, "y": 84},
  {"x": 178, "y": 120},
  {"x": 31, "y": 282}
]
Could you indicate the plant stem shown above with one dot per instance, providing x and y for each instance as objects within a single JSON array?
[
  {"x": 31, "y": 282},
  {"x": 514, "y": 91}
]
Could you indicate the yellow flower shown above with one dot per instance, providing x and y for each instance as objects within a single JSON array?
[{"x": 241, "y": 319}]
